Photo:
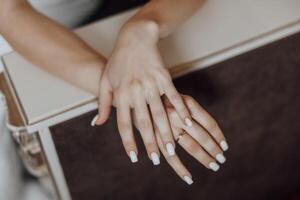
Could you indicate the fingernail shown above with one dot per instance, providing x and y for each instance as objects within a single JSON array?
[
  {"x": 220, "y": 158},
  {"x": 133, "y": 156},
  {"x": 214, "y": 166},
  {"x": 155, "y": 158},
  {"x": 188, "y": 122},
  {"x": 224, "y": 145},
  {"x": 188, "y": 180},
  {"x": 170, "y": 149},
  {"x": 93, "y": 123}
]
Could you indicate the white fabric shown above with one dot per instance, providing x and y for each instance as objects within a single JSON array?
[
  {"x": 12, "y": 186},
  {"x": 71, "y": 13},
  {"x": 10, "y": 179}
]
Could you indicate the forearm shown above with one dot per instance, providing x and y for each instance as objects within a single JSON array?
[
  {"x": 51, "y": 46},
  {"x": 168, "y": 14}
]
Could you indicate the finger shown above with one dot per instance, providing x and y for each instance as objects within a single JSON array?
[
  {"x": 177, "y": 129},
  {"x": 178, "y": 103},
  {"x": 174, "y": 161},
  {"x": 105, "y": 103},
  {"x": 206, "y": 141},
  {"x": 125, "y": 129},
  {"x": 207, "y": 121},
  {"x": 195, "y": 150},
  {"x": 160, "y": 119},
  {"x": 145, "y": 126}
]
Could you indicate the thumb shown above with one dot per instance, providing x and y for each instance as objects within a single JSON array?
[{"x": 105, "y": 101}]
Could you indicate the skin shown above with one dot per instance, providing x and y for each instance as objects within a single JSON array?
[
  {"x": 133, "y": 78},
  {"x": 201, "y": 141},
  {"x": 136, "y": 78}
]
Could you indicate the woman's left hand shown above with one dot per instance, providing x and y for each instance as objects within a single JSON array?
[
  {"x": 135, "y": 78},
  {"x": 204, "y": 141}
]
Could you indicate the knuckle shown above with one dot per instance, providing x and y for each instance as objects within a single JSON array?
[
  {"x": 172, "y": 114},
  {"x": 188, "y": 99},
  {"x": 175, "y": 97},
  {"x": 211, "y": 124},
  {"x": 151, "y": 93},
  {"x": 124, "y": 127},
  {"x": 143, "y": 124},
  {"x": 121, "y": 98},
  {"x": 183, "y": 111},
  {"x": 166, "y": 135},
  {"x": 164, "y": 74},
  {"x": 159, "y": 114},
  {"x": 150, "y": 83},
  {"x": 213, "y": 148},
  {"x": 204, "y": 139},
  {"x": 135, "y": 84}
]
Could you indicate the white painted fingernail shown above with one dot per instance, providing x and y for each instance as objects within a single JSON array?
[
  {"x": 188, "y": 180},
  {"x": 170, "y": 149},
  {"x": 214, "y": 166},
  {"x": 155, "y": 158},
  {"x": 93, "y": 123},
  {"x": 188, "y": 122},
  {"x": 220, "y": 158},
  {"x": 224, "y": 145},
  {"x": 133, "y": 156}
]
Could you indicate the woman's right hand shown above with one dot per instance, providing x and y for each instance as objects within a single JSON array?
[
  {"x": 204, "y": 141},
  {"x": 135, "y": 78}
]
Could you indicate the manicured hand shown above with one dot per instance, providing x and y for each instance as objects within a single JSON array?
[
  {"x": 204, "y": 140},
  {"x": 135, "y": 78}
]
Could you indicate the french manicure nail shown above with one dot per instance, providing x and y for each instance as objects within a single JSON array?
[
  {"x": 188, "y": 122},
  {"x": 93, "y": 123},
  {"x": 224, "y": 145},
  {"x": 155, "y": 158},
  {"x": 214, "y": 166},
  {"x": 188, "y": 180},
  {"x": 133, "y": 156},
  {"x": 170, "y": 149},
  {"x": 220, "y": 158}
]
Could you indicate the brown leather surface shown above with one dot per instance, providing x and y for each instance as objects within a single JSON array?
[{"x": 255, "y": 98}]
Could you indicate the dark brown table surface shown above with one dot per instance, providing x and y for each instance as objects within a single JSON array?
[{"x": 255, "y": 97}]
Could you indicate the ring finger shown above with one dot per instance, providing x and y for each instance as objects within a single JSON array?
[{"x": 194, "y": 149}]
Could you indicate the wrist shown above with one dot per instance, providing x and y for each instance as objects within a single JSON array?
[
  {"x": 142, "y": 31},
  {"x": 86, "y": 75}
]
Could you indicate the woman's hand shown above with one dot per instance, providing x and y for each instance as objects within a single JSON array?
[
  {"x": 204, "y": 141},
  {"x": 136, "y": 78}
]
